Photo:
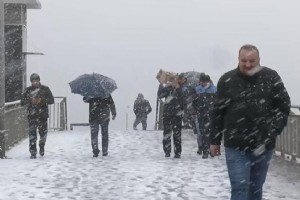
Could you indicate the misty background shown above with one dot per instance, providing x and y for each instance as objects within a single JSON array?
[{"x": 130, "y": 40}]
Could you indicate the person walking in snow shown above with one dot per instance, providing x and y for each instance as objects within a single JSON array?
[
  {"x": 251, "y": 109},
  {"x": 173, "y": 110},
  {"x": 203, "y": 105},
  {"x": 141, "y": 109},
  {"x": 99, "y": 115},
  {"x": 37, "y": 97}
]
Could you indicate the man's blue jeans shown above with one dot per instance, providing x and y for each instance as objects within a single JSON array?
[{"x": 247, "y": 173}]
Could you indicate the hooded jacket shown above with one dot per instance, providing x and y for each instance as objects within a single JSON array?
[{"x": 141, "y": 107}]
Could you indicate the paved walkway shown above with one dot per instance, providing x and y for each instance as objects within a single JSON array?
[{"x": 135, "y": 169}]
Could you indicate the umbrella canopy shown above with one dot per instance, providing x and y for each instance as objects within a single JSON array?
[
  {"x": 192, "y": 78},
  {"x": 93, "y": 85}
]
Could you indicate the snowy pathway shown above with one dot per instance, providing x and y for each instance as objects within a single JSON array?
[{"x": 134, "y": 169}]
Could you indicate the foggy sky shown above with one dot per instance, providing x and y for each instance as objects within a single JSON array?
[{"x": 130, "y": 40}]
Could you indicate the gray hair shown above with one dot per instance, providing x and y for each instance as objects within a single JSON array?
[{"x": 249, "y": 47}]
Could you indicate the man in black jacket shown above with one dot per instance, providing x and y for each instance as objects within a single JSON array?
[
  {"x": 141, "y": 109},
  {"x": 37, "y": 97},
  {"x": 203, "y": 105},
  {"x": 172, "y": 115},
  {"x": 99, "y": 114},
  {"x": 251, "y": 109}
]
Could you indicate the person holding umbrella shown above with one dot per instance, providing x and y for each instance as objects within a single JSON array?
[
  {"x": 99, "y": 114},
  {"x": 96, "y": 90}
]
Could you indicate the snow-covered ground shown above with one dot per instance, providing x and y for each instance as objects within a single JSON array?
[{"x": 134, "y": 169}]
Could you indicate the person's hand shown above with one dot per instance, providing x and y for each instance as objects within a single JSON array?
[
  {"x": 35, "y": 101},
  {"x": 113, "y": 117},
  {"x": 85, "y": 99},
  {"x": 215, "y": 150},
  {"x": 193, "y": 117}
]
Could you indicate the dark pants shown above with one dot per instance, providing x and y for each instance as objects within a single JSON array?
[
  {"x": 172, "y": 123},
  {"x": 203, "y": 135},
  {"x": 140, "y": 119},
  {"x": 2, "y": 144},
  {"x": 41, "y": 125},
  {"x": 247, "y": 173},
  {"x": 94, "y": 136}
]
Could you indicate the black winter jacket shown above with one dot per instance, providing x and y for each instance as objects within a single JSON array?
[
  {"x": 141, "y": 107},
  {"x": 250, "y": 110},
  {"x": 174, "y": 101},
  {"x": 99, "y": 109},
  {"x": 203, "y": 105},
  {"x": 39, "y": 111}
]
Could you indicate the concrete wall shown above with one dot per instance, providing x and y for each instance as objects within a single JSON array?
[{"x": 16, "y": 124}]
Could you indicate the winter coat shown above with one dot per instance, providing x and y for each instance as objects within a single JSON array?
[
  {"x": 204, "y": 104},
  {"x": 174, "y": 100},
  {"x": 250, "y": 110},
  {"x": 99, "y": 109},
  {"x": 141, "y": 107},
  {"x": 38, "y": 111},
  {"x": 200, "y": 89}
]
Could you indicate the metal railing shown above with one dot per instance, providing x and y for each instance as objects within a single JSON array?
[
  {"x": 158, "y": 114},
  {"x": 288, "y": 143},
  {"x": 78, "y": 124},
  {"x": 58, "y": 120}
]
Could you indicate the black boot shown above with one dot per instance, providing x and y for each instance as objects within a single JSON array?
[
  {"x": 42, "y": 150},
  {"x": 199, "y": 150},
  {"x": 177, "y": 156},
  {"x": 96, "y": 153},
  {"x": 205, "y": 154},
  {"x": 105, "y": 153},
  {"x": 33, "y": 156}
]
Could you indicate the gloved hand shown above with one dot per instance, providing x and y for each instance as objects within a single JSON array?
[{"x": 113, "y": 117}]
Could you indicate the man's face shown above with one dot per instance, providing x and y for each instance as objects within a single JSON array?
[
  {"x": 181, "y": 80},
  {"x": 174, "y": 82},
  {"x": 248, "y": 59},
  {"x": 203, "y": 84},
  {"x": 35, "y": 83}
]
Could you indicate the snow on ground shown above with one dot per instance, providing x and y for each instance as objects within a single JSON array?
[{"x": 134, "y": 169}]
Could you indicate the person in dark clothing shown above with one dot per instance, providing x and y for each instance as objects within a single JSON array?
[
  {"x": 172, "y": 115},
  {"x": 99, "y": 114},
  {"x": 37, "y": 97},
  {"x": 186, "y": 119},
  {"x": 251, "y": 109},
  {"x": 203, "y": 105},
  {"x": 141, "y": 109}
]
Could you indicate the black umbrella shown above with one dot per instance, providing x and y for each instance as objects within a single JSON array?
[{"x": 93, "y": 85}]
